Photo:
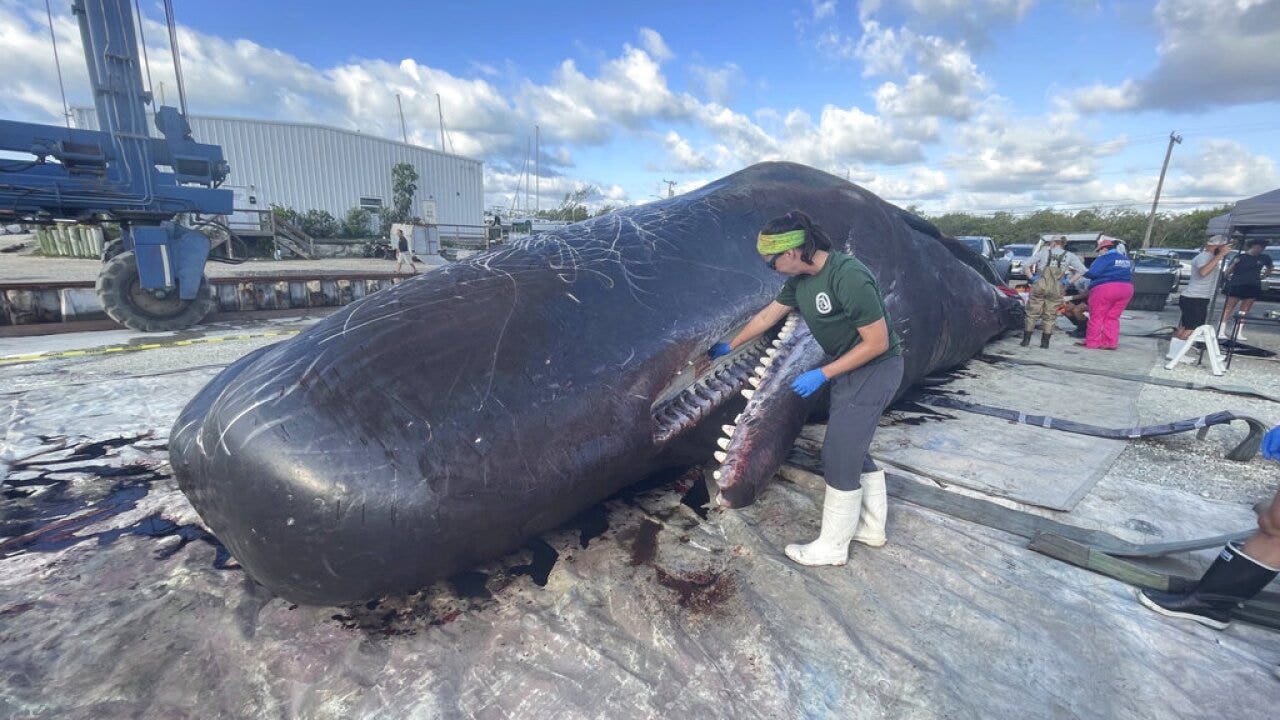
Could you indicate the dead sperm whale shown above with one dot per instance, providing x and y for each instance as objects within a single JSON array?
[{"x": 448, "y": 420}]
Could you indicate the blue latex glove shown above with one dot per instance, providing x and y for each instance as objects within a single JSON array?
[
  {"x": 808, "y": 383},
  {"x": 1271, "y": 444},
  {"x": 720, "y": 349}
]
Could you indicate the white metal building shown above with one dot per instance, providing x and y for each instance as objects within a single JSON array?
[{"x": 313, "y": 167}]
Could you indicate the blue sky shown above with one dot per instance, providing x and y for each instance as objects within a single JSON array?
[{"x": 980, "y": 105}]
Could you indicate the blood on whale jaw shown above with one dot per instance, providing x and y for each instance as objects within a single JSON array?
[{"x": 760, "y": 438}]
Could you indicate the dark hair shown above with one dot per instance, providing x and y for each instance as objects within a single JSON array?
[
  {"x": 1259, "y": 242},
  {"x": 814, "y": 238}
]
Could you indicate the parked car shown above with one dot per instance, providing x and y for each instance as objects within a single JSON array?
[
  {"x": 1017, "y": 254},
  {"x": 986, "y": 247},
  {"x": 1184, "y": 256},
  {"x": 981, "y": 244}
]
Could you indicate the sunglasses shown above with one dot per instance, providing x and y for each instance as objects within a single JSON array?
[{"x": 773, "y": 262}]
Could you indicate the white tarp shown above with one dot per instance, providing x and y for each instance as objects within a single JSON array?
[{"x": 662, "y": 615}]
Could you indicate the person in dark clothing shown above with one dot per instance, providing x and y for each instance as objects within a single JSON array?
[
  {"x": 1240, "y": 571},
  {"x": 1244, "y": 283},
  {"x": 841, "y": 303},
  {"x": 1075, "y": 307},
  {"x": 403, "y": 253}
]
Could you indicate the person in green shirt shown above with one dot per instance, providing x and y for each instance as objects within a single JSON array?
[{"x": 841, "y": 303}]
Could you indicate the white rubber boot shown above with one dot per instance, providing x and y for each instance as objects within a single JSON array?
[
  {"x": 875, "y": 510},
  {"x": 1240, "y": 333},
  {"x": 840, "y": 510},
  {"x": 1222, "y": 331}
]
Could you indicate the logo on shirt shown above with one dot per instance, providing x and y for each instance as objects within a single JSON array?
[{"x": 823, "y": 301}]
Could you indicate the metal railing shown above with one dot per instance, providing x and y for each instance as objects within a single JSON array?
[{"x": 267, "y": 223}]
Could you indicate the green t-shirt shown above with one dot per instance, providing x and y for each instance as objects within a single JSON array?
[{"x": 839, "y": 299}]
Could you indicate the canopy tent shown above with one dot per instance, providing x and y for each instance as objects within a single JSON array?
[{"x": 1259, "y": 215}]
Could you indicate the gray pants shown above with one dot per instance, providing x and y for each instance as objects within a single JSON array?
[{"x": 858, "y": 399}]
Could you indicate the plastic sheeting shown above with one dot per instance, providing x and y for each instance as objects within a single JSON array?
[{"x": 661, "y": 614}]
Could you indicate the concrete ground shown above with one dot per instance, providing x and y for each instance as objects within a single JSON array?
[{"x": 115, "y": 602}]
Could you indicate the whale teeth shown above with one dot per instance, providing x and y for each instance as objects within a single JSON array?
[
  {"x": 723, "y": 443},
  {"x": 777, "y": 343},
  {"x": 721, "y": 456},
  {"x": 748, "y": 393},
  {"x": 771, "y": 352},
  {"x": 728, "y": 429},
  {"x": 737, "y": 419},
  {"x": 717, "y": 474},
  {"x": 755, "y": 381}
]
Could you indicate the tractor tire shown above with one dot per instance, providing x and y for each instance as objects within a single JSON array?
[
  {"x": 112, "y": 249},
  {"x": 124, "y": 300}
]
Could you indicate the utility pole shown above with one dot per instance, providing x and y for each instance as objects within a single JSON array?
[
  {"x": 1151, "y": 221},
  {"x": 537, "y": 174},
  {"x": 671, "y": 188},
  {"x": 404, "y": 134}
]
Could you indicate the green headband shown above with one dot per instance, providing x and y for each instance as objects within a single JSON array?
[{"x": 780, "y": 243}]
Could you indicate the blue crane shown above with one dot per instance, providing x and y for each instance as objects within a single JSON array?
[{"x": 121, "y": 173}]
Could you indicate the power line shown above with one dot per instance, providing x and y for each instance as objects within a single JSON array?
[{"x": 66, "y": 113}]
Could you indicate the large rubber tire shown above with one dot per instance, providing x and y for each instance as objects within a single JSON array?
[
  {"x": 127, "y": 303},
  {"x": 112, "y": 249}
]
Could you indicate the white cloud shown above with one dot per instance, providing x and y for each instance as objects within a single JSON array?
[
  {"x": 1096, "y": 98},
  {"x": 823, "y": 9},
  {"x": 655, "y": 45},
  {"x": 630, "y": 91},
  {"x": 515, "y": 190},
  {"x": 928, "y": 78},
  {"x": 1212, "y": 52},
  {"x": 918, "y": 184},
  {"x": 717, "y": 84},
  {"x": 842, "y": 136},
  {"x": 1221, "y": 169},
  {"x": 970, "y": 20},
  {"x": 683, "y": 157},
  {"x": 1004, "y": 153}
]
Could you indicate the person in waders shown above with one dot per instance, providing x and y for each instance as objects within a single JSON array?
[
  {"x": 841, "y": 303},
  {"x": 1047, "y": 270}
]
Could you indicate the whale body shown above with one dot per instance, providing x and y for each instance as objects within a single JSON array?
[{"x": 448, "y": 420}]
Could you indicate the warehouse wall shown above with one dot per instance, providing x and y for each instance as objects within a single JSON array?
[{"x": 314, "y": 167}]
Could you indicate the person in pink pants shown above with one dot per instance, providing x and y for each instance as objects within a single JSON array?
[{"x": 1110, "y": 290}]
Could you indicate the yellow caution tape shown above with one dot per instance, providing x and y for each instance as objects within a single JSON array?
[{"x": 58, "y": 355}]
